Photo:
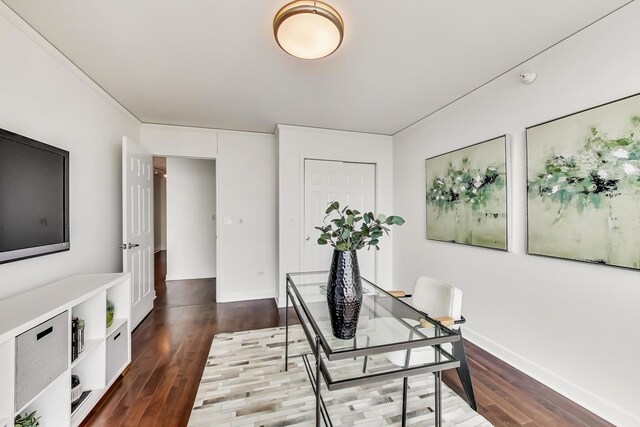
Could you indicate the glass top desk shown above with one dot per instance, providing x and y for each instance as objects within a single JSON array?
[{"x": 388, "y": 331}]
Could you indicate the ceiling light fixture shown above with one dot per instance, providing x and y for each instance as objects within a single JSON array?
[{"x": 308, "y": 29}]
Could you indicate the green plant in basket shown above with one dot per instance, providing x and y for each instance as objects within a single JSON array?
[
  {"x": 111, "y": 311},
  {"x": 27, "y": 420}
]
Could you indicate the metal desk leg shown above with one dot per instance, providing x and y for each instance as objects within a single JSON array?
[
  {"x": 463, "y": 371},
  {"x": 366, "y": 358},
  {"x": 438, "y": 385},
  {"x": 286, "y": 331},
  {"x": 405, "y": 385},
  {"x": 438, "y": 378},
  {"x": 317, "y": 381}
]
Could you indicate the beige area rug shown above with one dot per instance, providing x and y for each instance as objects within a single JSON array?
[{"x": 244, "y": 384}]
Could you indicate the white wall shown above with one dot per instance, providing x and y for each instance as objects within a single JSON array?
[
  {"x": 572, "y": 325},
  {"x": 246, "y": 189},
  {"x": 180, "y": 141},
  {"x": 159, "y": 213},
  {"x": 191, "y": 227},
  {"x": 44, "y": 97},
  {"x": 295, "y": 144}
]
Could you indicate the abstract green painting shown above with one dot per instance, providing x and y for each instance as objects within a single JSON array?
[
  {"x": 467, "y": 195},
  {"x": 584, "y": 185}
]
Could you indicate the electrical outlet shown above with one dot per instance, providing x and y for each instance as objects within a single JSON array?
[{"x": 260, "y": 273}]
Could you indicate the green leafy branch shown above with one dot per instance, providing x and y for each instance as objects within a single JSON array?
[
  {"x": 352, "y": 230},
  {"x": 27, "y": 420}
]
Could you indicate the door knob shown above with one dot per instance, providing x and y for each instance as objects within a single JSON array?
[
  {"x": 308, "y": 238},
  {"x": 133, "y": 245}
]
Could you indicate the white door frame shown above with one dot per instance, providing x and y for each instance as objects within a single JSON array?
[{"x": 218, "y": 266}]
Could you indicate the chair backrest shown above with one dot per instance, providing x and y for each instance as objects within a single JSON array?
[{"x": 437, "y": 298}]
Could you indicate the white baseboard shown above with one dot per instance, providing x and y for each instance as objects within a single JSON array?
[
  {"x": 245, "y": 296},
  {"x": 593, "y": 402},
  {"x": 178, "y": 277}
]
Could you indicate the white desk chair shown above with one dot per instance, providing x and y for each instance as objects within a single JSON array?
[{"x": 441, "y": 302}]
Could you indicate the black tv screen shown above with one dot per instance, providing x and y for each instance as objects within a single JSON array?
[{"x": 34, "y": 198}]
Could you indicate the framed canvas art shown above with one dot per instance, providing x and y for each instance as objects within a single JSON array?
[
  {"x": 467, "y": 195},
  {"x": 583, "y": 175}
]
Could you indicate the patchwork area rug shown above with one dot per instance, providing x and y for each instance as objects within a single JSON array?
[{"x": 244, "y": 384}]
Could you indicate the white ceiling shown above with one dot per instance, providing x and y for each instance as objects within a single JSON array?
[{"x": 214, "y": 63}]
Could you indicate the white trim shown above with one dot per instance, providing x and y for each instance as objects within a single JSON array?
[
  {"x": 43, "y": 43},
  {"x": 168, "y": 126},
  {"x": 593, "y": 402},
  {"x": 169, "y": 278},
  {"x": 219, "y": 266},
  {"x": 245, "y": 296}
]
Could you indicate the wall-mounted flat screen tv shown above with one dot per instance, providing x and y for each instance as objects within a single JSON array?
[{"x": 34, "y": 198}]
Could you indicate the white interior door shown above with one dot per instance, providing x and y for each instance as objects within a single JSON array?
[
  {"x": 137, "y": 227},
  {"x": 350, "y": 184}
]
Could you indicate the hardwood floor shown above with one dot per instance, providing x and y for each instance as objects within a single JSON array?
[
  {"x": 171, "y": 345},
  {"x": 507, "y": 397}
]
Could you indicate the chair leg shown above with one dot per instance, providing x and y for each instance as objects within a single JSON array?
[{"x": 463, "y": 371}]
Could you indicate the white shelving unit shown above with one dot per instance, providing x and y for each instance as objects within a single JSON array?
[
  {"x": 119, "y": 296},
  {"x": 6, "y": 382},
  {"x": 117, "y": 323},
  {"x": 89, "y": 346},
  {"x": 52, "y": 403},
  {"x": 84, "y": 297}
]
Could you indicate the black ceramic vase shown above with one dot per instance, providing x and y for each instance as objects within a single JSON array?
[{"x": 344, "y": 294}]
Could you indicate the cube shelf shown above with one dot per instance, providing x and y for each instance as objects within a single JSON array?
[
  {"x": 84, "y": 297},
  {"x": 83, "y": 398},
  {"x": 89, "y": 347},
  {"x": 51, "y": 403}
]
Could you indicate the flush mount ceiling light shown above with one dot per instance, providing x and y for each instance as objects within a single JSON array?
[{"x": 308, "y": 29}]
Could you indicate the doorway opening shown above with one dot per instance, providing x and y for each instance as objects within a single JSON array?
[{"x": 185, "y": 231}]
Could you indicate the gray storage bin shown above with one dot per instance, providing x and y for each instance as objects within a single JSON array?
[
  {"x": 117, "y": 351},
  {"x": 42, "y": 355}
]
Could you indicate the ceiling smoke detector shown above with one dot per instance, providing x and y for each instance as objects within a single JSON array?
[{"x": 528, "y": 78}]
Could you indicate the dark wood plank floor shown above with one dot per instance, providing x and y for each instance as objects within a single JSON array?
[{"x": 171, "y": 345}]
